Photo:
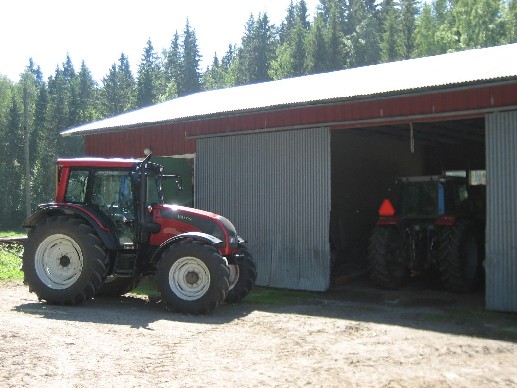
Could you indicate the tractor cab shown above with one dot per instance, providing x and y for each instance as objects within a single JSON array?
[
  {"x": 438, "y": 198},
  {"x": 120, "y": 192}
]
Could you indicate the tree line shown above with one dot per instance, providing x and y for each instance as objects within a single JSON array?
[{"x": 342, "y": 34}]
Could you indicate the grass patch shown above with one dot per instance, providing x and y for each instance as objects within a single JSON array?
[
  {"x": 11, "y": 233},
  {"x": 10, "y": 261},
  {"x": 146, "y": 287},
  {"x": 275, "y": 296},
  {"x": 258, "y": 296}
]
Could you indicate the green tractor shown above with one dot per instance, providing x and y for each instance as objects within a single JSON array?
[{"x": 435, "y": 225}]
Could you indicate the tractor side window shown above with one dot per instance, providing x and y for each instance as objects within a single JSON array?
[
  {"x": 112, "y": 191},
  {"x": 112, "y": 195},
  {"x": 76, "y": 190}
]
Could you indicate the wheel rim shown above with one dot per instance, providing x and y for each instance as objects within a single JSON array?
[
  {"x": 189, "y": 278},
  {"x": 59, "y": 261},
  {"x": 234, "y": 275}
]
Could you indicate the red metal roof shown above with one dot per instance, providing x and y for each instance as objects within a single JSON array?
[{"x": 299, "y": 100}]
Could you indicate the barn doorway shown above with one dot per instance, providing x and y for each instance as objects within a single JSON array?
[{"x": 366, "y": 161}]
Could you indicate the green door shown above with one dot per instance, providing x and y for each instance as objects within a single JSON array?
[{"x": 177, "y": 166}]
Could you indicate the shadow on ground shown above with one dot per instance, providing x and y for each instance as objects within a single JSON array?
[{"x": 414, "y": 307}]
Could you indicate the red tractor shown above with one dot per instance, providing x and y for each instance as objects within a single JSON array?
[{"x": 109, "y": 227}]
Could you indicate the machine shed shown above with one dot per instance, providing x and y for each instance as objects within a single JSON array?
[{"x": 301, "y": 165}]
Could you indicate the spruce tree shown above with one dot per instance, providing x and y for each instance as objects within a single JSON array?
[
  {"x": 126, "y": 83},
  {"x": 214, "y": 76},
  {"x": 426, "y": 33},
  {"x": 11, "y": 195},
  {"x": 118, "y": 89},
  {"x": 316, "y": 47},
  {"x": 256, "y": 51},
  {"x": 43, "y": 147},
  {"x": 110, "y": 92},
  {"x": 88, "y": 91},
  {"x": 149, "y": 79},
  {"x": 173, "y": 69},
  {"x": 287, "y": 24},
  {"x": 391, "y": 45},
  {"x": 364, "y": 40},
  {"x": 291, "y": 55},
  {"x": 335, "y": 38},
  {"x": 479, "y": 23},
  {"x": 191, "y": 82},
  {"x": 408, "y": 13}
]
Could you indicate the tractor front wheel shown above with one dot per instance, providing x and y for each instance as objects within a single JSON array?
[
  {"x": 387, "y": 258},
  {"x": 64, "y": 261},
  {"x": 245, "y": 271},
  {"x": 192, "y": 277}
]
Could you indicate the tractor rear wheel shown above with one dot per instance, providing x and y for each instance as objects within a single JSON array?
[
  {"x": 459, "y": 257},
  {"x": 118, "y": 286},
  {"x": 64, "y": 261},
  {"x": 192, "y": 277},
  {"x": 387, "y": 259},
  {"x": 246, "y": 272}
]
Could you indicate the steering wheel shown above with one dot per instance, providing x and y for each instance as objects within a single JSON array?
[{"x": 98, "y": 201}]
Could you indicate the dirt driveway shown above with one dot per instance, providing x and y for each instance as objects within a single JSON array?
[{"x": 355, "y": 336}]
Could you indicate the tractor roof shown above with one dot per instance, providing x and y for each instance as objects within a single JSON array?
[{"x": 98, "y": 162}]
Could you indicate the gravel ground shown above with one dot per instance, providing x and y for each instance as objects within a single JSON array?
[{"x": 353, "y": 336}]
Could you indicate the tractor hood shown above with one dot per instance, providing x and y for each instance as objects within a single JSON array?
[{"x": 175, "y": 220}]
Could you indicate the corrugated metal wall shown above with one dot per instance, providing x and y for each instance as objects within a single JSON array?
[
  {"x": 275, "y": 188},
  {"x": 501, "y": 246}
]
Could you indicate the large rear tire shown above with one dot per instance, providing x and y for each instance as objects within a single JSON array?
[
  {"x": 387, "y": 258},
  {"x": 192, "y": 277},
  {"x": 247, "y": 275},
  {"x": 64, "y": 261},
  {"x": 459, "y": 257}
]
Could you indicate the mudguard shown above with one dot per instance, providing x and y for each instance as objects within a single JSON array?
[
  {"x": 101, "y": 228},
  {"x": 199, "y": 236}
]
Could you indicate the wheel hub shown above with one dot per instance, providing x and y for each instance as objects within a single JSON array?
[
  {"x": 192, "y": 277},
  {"x": 64, "y": 261}
]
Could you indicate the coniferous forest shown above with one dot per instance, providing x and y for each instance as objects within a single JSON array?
[{"x": 342, "y": 34}]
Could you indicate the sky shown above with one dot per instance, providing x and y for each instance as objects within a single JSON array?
[{"x": 98, "y": 31}]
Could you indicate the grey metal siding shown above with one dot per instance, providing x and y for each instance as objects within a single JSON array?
[
  {"x": 501, "y": 245},
  {"x": 275, "y": 188}
]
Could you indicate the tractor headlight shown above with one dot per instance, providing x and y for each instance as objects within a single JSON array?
[{"x": 230, "y": 229}]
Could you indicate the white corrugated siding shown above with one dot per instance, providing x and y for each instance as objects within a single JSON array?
[
  {"x": 501, "y": 246},
  {"x": 275, "y": 188}
]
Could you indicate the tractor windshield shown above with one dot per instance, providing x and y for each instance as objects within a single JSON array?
[
  {"x": 431, "y": 196},
  {"x": 419, "y": 199}
]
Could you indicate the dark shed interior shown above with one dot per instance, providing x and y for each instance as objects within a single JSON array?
[{"x": 366, "y": 161}]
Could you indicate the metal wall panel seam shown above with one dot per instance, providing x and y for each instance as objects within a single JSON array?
[{"x": 501, "y": 247}]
